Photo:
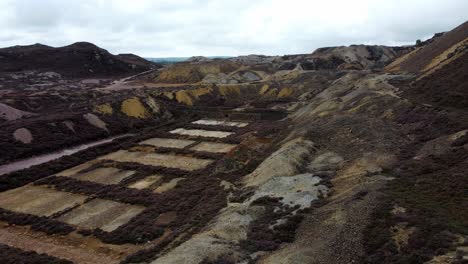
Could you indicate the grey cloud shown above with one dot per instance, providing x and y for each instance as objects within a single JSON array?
[{"x": 224, "y": 27}]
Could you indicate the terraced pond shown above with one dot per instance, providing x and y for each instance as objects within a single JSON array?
[
  {"x": 130, "y": 200},
  {"x": 170, "y": 188}
]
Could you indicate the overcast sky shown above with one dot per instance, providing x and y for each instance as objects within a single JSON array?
[{"x": 163, "y": 28}]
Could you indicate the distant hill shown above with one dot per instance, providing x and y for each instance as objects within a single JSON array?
[
  {"x": 137, "y": 60},
  {"x": 81, "y": 59},
  {"x": 172, "y": 60}
]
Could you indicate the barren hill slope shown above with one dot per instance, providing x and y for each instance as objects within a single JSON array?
[
  {"x": 446, "y": 47},
  {"x": 76, "y": 60},
  {"x": 447, "y": 86},
  {"x": 354, "y": 57}
]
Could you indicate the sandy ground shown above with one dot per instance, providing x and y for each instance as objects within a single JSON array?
[{"x": 52, "y": 246}]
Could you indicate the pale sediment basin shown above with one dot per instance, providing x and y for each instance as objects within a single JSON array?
[
  {"x": 104, "y": 214},
  {"x": 37, "y": 200},
  {"x": 155, "y": 159},
  {"x": 213, "y": 147},
  {"x": 168, "y": 142},
  {"x": 104, "y": 175},
  {"x": 201, "y": 133},
  {"x": 212, "y": 122}
]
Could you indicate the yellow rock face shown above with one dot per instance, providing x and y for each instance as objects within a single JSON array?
[
  {"x": 179, "y": 74},
  {"x": 264, "y": 89},
  {"x": 184, "y": 97},
  {"x": 229, "y": 90},
  {"x": 285, "y": 92},
  {"x": 105, "y": 109},
  {"x": 188, "y": 97},
  {"x": 134, "y": 108},
  {"x": 193, "y": 73}
]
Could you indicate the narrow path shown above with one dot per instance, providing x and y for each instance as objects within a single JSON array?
[
  {"x": 26, "y": 163},
  {"x": 119, "y": 84},
  {"x": 46, "y": 245}
]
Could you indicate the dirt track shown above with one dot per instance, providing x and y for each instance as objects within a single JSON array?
[{"x": 20, "y": 239}]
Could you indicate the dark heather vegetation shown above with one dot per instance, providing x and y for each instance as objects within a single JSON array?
[
  {"x": 37, "y": 223},
  {"x": 10, "y": 255},
  {"x": 432, "y": 189}
]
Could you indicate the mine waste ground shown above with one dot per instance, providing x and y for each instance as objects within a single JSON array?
[
  {"x": 349, "y": 154},
  {"x": 138, "y": 194},
  {"x": 359, "y": 168},
  {"x": 345, "y": 167}
]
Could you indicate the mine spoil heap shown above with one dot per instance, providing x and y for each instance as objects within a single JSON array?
[{"x": 351, "y": 154}]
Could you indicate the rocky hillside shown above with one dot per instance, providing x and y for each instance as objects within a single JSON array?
[
  {"x": 354, "y": 57},
  {"x": 80, "y": 59},
  {"x": 440, "y": 50},
  {"x": 254, "y": 68}
]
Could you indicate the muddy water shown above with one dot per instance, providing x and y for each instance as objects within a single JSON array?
[{"x": 36, "y": 160}]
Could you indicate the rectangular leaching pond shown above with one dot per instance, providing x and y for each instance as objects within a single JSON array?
[
  {"x": 156, "y": 159},
  {"x": 201, "y": 133},
  {"x": 168, "y": 142},
  {"x": 214, "y": 147},
  {"x": 38, "y": 200},
  {"x": 213, "y": 122}
]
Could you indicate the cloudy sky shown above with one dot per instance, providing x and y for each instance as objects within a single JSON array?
[{"x": 163, "y": 28}]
